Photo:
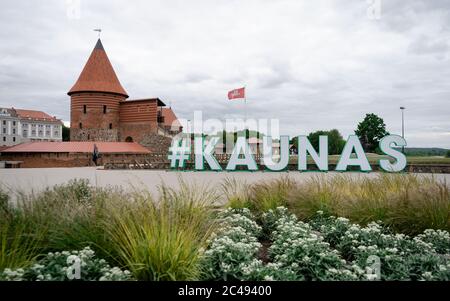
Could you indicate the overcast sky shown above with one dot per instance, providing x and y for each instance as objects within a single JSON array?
[{"x": 312, "y": 64}]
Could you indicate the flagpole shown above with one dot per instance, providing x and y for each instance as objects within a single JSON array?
[
  {"x": 245, "y": 112},
  {"x": 245, "y": 104}
]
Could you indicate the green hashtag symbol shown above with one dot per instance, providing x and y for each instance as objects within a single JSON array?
[{"x": 179, "y": 152}]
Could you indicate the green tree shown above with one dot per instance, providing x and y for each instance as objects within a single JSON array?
[
  {"x": 370, "y": 131},
  {"x": 65, "y": 133},
  {"x": 335, "y": 141},
  {"x": 294, "y": 144},
  {"x": 448, "y": 154}
]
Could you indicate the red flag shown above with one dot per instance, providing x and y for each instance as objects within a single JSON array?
[{"x": 236, "y": 93}]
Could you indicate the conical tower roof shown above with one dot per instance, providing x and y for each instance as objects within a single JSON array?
[{"x": 98, "y": 75}]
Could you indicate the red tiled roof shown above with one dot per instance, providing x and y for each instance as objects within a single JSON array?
[
  {"x": 159, "y": 101},
  {"x": 34, "y": 115},
  {"x": 98, "y": 75},
  {"x": 78, "y": 147},
  {"x": 170, "y": 119}
]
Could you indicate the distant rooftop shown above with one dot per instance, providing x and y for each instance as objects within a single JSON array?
[
  {"x": 32, "y": 114},
  {"x": 170, "y": 119},
  {"x": 159, "y": 101}
]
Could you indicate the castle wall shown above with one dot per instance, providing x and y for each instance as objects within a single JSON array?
[
  {"x": 48, "y": 160},
  {"x": 138, "y": 118},
  {"x": 94, "y": 116},
  {"x": 136, "y": 131}
]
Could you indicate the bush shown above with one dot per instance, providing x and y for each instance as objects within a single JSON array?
[
  {"x": 258, "y": 197},
  {"x": 182, "y": 236},
  {"x": 70, "y": 217},
  {"x": 406, "y": 203},
  {"x": 297, "y": 248},
  {"x": 161, "y": 240},
  {"x": 236, "y": 193},
  {"x": 269, "y": 195},
  {"x": 155, "y": 239},
  {"x": 18, "y": 248},
  {"x": 234, "y": 246},
  {"x": 232, "y": 252},
  {"x": 401, "y": 257},
  {"x": 60, "y": 266},
  {"x": 4, "y": 201}
]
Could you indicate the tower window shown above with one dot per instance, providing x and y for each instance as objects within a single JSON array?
[
  {"x": 110, "y": 126},
  {"x": 81, "y": 125},
  {"x": 104, "y": 109},
  {"x": 14, "y": 139},
  {"x": 84, "y": 109}
]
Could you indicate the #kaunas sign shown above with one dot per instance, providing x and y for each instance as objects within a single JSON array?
[{"x": 352, "y": 155}]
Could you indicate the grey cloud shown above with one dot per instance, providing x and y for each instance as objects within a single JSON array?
[
  {"x": 313, "y": 64},
  {"x": 426, "y": 45}
]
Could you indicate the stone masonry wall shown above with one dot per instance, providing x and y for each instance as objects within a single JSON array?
[
  {"x": 94, "y": 135},
  {"x": 156, "y": 143}
]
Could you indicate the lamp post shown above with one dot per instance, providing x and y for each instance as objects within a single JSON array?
[
  {"x": 403, "y": 126},
  {"x": 189, "y": 129}
]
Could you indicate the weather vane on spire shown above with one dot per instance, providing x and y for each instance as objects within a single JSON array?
[{"x": 99, "y": 30}]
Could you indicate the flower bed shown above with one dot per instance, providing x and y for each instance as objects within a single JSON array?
[
  {"x": 327, "y": 248},
  {"x": 182, "y": 236}
]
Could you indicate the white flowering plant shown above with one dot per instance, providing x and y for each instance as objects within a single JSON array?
[
  {"x": 62, "y": 266},
  {"x": 424, "y": 257},
  {"x": 233, "y": 248},
  {"x": 232, "y": 252},
  {"x": 298, "y": 248},
  {"x": 439, "y": 239},
  {"x": 325, "y": 248}
]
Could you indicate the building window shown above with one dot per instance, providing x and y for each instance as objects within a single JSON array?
[
  {"x": 33, "y": 132},
  {"x": 81, "y": 125},
  {"x": 41, "y": 133},
  {"x": 104, "y": 109},
  {"x": 47, "y": 133},
  {"x": 4, "y": 130},
  {"x": 14, "y": 123},
  {"x": 56, "y": 133},
  {"x": 84, "y": 109},
  {"x": 4, "y": 138},
  {"x": 25, "y": 133},
  {"x": 110, "y": 126},
  {"x": 14, "y": 131},
  {"x": 4, "y": 122},
  {"x": 14, "y": 139}
]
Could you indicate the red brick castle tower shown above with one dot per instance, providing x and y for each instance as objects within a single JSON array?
[
  {"x": 95, "y": 99},
  {"x": 100, "y": 110}
]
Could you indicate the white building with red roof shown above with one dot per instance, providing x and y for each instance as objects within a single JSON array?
[{"x": 18, "y": 126}]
